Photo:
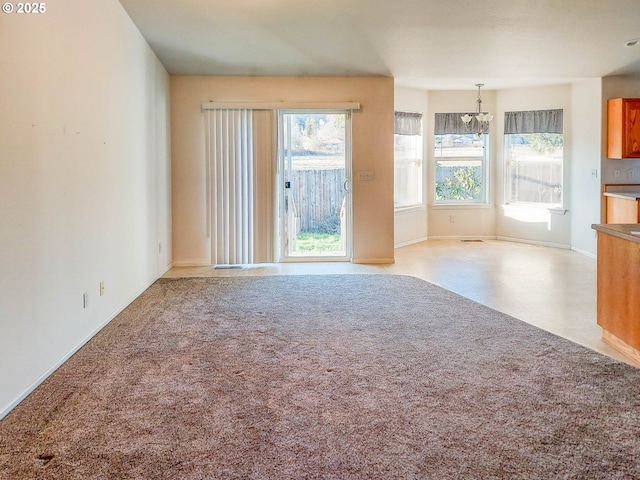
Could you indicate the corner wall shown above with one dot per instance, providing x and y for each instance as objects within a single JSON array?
[
  {"x": 372, "y": 137},
  {"x": 84, "y": 181},
  {"x": 460, "y": 220},
  {"x": 586, "y": 145},
  {"x": 411, "y": 223},
  {"x": 533, "y": 224},
  {"x": 527, "y": 224},
  {"x": 586, "y": 166}
]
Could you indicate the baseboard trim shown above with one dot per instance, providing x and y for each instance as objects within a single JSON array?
[
  {"x": 505, "y": 239},
  {"x": 68, "y": 355},
  {"x": 376, "y": 261},
  {"x": 535, "y": 242},
  {"x": 463, "y": 237},
  {"x": 194, "y": 263},
  {"x": 584, "y": 252},
  {"x": 410, "y": 242}
]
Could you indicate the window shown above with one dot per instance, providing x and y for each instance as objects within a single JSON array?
[
  {"x": 408, "y": 171},
  {"x": 314, "y": 158},
  {"x": 460, "y": 160},
  {"x": 534, "y": 155}
]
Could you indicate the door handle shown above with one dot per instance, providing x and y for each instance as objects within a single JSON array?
[{"x": 345, "y": 186}]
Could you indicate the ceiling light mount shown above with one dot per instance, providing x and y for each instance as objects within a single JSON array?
[{"x": 483, "y": 118}]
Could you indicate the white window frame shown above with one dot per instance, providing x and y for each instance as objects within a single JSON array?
[
  {"x": 541, "y": 159},
  {"x": 483, "y": 198},
  {"x": 417, "y": 155},
  {"x": 348, "y": 231},
  {"x": 533, "y": 122}
]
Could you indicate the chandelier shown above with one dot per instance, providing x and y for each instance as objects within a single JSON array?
[{"x": 483, "y": 118}]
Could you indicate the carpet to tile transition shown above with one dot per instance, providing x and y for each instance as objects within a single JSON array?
[{"x": 333, "y": 377}]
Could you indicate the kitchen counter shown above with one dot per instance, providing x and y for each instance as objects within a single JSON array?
[
  {"x": 620, "y": 230},
  {"x": 623, "y": 195},
  {"x": 618, "y": 297}
]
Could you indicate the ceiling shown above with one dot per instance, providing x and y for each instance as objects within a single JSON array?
[{"x": 430, "y": 44}]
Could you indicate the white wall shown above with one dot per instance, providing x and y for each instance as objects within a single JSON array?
[
  {"x": 372, "y": 140},
  {"x": 582, "y": 104},
  {"x": 84, "y": 181},
  {"x": 411, "y": 224},
  {"x": 585, "y": 149},
  {"x": 469, "y": 221},
  {"x": 538, "y": 225}
]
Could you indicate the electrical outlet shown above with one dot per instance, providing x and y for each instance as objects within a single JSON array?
[
  {"x": 452, "y": 219},
  {"x": 594, "y": 173},
  {"x": 101, "y": 288},
  {"x": 630, "y": 174},
  {"x": 85, "y": 300}
]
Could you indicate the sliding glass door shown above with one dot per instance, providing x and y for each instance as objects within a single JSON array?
[{"x": 315, "y": 202}]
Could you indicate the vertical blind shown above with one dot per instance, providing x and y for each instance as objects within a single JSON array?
[{"x": 230, "y": 185}]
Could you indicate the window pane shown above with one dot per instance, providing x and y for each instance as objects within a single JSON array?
[
  {"x": 460, "y": 168},
  {"x": 535, "y": 168},
  {"x": 459, "y": 180},
  {"x": 408, "y": 171},
  {"x": 453, "y": 145}
]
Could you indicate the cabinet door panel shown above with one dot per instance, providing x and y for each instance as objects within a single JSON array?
[
  {"x": 632, "y": 128},
  {"x": 622, "y": 211}
]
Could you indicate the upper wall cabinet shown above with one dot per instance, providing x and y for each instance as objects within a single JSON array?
[{"x": 623, "y": 128}]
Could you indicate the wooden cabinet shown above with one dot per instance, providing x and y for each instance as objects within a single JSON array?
[
  {"x": 618, "y": 302},
  {"x": 623, "y": 128},
  {"x": 622, "y": 207}
]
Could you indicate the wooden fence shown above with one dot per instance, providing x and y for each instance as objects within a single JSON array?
[{"x": 318, "y": 196}]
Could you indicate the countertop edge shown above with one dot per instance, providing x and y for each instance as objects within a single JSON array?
[
  {"x": 621, "y": 230},
  {"x": 633, "y": 196}
]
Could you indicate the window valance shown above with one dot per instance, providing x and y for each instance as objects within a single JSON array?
[
  {"x": 451, "y": 123},
  {"x": 408, "y": 123},
  {"x": 533, "y": 121}
]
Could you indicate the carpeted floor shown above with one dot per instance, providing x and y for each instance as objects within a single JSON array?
[{"x": 332, "y": 377}]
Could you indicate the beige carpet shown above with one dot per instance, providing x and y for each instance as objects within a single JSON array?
[{"x": 327, "y": 377}]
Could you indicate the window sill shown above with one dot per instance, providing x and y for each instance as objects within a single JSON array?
[
  {"x": 448, "y": 206},
  {"x": 551, "y": 210}
]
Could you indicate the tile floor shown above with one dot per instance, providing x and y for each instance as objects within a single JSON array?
[{"x": 553, "y": 289}]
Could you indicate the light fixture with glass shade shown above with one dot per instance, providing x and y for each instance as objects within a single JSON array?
[{"x": 483, "y": 118}]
